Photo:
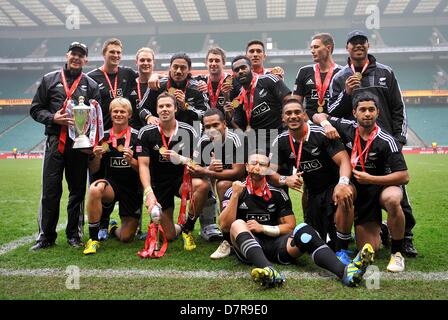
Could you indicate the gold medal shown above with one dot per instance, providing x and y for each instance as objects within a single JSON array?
[
  {"x": 105, "y": 146},
  {"x": 235, "y": 103},
  {"x": 320, "y": 107},
  {"x": 358, "y": 75},
  {"x": 229, "y": 80},
  {"x": 278, "y": 71},
  {"x": 162, "y": 150},
  {"x": 171, "y": 91},
  {"x": 120, "y": 148},
  {"x": 191, "y": 163}
]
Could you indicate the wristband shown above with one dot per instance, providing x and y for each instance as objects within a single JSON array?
[
  {"x": 325, "y": 123},
  {"x": 272, "y": 231},
  {"x": 344, "y": 180},
  {"x": 282, "y": 180},
  {"x": 147, "y": 191}
]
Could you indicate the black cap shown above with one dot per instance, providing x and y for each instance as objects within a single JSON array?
[
  {"x": 80, "y": 46},
  {"x": 356, "y": 33}
]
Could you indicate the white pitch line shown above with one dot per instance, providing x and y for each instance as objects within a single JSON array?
[
  {"x": 23, "y": 241},
  {"x": 220, "y": 274}
]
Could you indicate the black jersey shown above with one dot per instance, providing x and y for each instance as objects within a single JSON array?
[
  {"x": 138, "y": 96},
  {"x": 268, "y": 101},
  {"x": 385, "y": 154},
  {"x": 196, "y": 100},
  {"x": 150, "y": 141},
  {"x": 126, "y": 79},
  {"x": 229, "y": 151},
  {"x": 305, "y": 86},
  {"x": 117, "y": 167},
  {"x": 252, "y": 207},
  {"x": 316, "y": 163}
]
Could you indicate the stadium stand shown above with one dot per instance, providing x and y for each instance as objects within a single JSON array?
[{"x": 429, "y": 123}]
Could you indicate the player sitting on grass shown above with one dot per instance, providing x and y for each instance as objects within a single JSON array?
[
  {"x": 261, "y": 224},
  {"x": 121, "y": 183}
]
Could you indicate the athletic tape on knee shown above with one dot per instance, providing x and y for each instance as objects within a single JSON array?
[
  {"x": 306, "y": 238},
  {"x": 101, "y": 181}
]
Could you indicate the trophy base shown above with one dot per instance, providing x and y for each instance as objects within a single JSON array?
[{"x": 81, "y": 142}]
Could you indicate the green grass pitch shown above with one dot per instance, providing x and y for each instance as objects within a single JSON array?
[{"x": 20, "y": 194}]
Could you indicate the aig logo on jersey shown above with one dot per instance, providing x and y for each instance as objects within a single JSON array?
[
  {"x": 260, "y": 109},
  {"x": 312, "y": 165},
  {"x": 119, "y": 163}
]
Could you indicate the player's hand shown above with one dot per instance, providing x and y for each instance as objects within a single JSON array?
[
  {"x": 226, "y": 87},
  {"x": 196, "y": 171},
  {"x": 62, "y": 118},
  {"x": 362, "y": 177},
  {"x": 180, "y": 97},
  {"x": 202, "y": 86},
  {"x": 172, "y": 156},
  {"x": 98, "y": 151},
  {"x": 352, "y": 83},
  {"x": 237, "y": 187},
  {"x": 295, "y": 182},
  {"x": 331, "y": 132},
  {"x": 150, "y": 202},
  {"x": 152, "y": 120},
  {"x": 254, "y": 226},
  {"x": 128, "y": 154},
  {"x": 343, "y": 195},
  {"x": 228, "y": 109},
  {"x": 215, "y": 164},
  {"x": 154, "y": 82}
]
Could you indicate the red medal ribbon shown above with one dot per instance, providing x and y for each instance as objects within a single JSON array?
[
  {"x": 298, "y": 155},
  {"x": 165, "y": 144},
  {"x": 322, "y": 88},
  {"x": 114, "y": 89},
  {"x": 249, "y": 104},
  {"x": 152, "y": 239},
  {"x": 214, "y": 97},
  {"x": 68, "y": 93},
  {"x": 363, "y": 68},
  {"x": 260, "y": 71},
  {"x": 186, "y": 193},
  {"x": 113, "y": 138},
  {"x": 263, "y": 191},
  {"x": 357, "y": 152},
  {"x": 139, "y": 91}
]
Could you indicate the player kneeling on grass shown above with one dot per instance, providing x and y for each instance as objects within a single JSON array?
[
  {"x": 121, "y": 183},
  {"x": 379, "y": 169},
  {"x": 261, "y": 224}
]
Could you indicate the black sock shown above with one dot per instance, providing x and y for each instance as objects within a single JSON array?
[
  {"x": 397, "y": 246},
  {"x": 325, "y": 258},
  {"x": 251, "y": 250},
  {"x": 94, "y": 228},
  {"x": 189, "y": 224},
  {"x": 342, "y": 240},
  {"x": 308, "y": 240},
  {"x": 226, "y": 236}
]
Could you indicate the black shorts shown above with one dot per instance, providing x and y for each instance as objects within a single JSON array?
[
  {"x": 367, "y": 204},
  {"x": 319, "y": 213},
  {"x": 273, "y": 248},
  {"x": 129, "y": 201},
  {"x": 166, "y": 191}
]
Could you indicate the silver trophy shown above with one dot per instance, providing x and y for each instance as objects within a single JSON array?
[{"x": 81, "y": 115}]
